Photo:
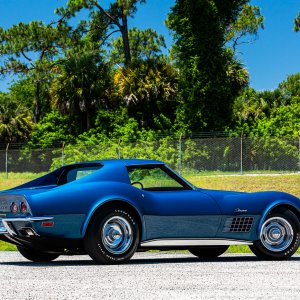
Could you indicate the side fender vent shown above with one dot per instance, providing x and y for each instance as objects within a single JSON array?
[{"x": 238, "y": 224}]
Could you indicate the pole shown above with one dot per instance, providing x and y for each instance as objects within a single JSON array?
[
  {"x": 242, "y": 153},
  {"x": 63, "y": 154},
  {"x": 299, "y": 150},
  {"x": 119, "y": 149},
  {"x": 180, "y": 155},
  {"x": 6, "y": 161}
]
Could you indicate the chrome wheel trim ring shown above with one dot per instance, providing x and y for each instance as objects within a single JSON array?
[
  {"x": 276, "y": 234},
  {"x": 117, "y": 235}
]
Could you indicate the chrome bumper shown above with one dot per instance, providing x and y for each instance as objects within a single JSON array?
[{"x": 6, "y": 224}]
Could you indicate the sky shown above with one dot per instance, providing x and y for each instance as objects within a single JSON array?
[{"x": 269, "y": 59}]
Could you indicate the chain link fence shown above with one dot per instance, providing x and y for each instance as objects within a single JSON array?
[{"x": 187, "y": 156}]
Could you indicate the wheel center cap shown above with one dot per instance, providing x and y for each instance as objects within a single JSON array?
[
  {"x": 275, "y": 234},
  {"x": 116, "y": 235}
]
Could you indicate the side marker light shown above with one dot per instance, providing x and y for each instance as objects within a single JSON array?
[{"x": 48, "y": 224}]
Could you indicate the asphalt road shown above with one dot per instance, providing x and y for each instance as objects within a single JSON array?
[{"x": 150, "y": 276}]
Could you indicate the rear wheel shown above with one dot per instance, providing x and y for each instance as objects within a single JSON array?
[
  {"x": 279, "y": 236},
  {"x": 112, "y": 236},
  {"x": 35, "y": 255},
  {"x": 208, "y": 251}
]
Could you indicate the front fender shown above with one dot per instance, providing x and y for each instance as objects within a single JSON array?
[{"x": 271, "y": 207}]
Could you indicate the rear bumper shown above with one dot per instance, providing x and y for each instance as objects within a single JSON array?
[
  {"x": 26, "y": 232},
  {"x": 16, "y": 226}
]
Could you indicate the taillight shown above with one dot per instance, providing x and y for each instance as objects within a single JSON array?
[
  {"x": 14, "y": 208},
  {"x": 48, "y": 224},
  {"x": 24, "y": 208}
]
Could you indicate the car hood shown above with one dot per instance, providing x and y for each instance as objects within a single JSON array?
[{"x": 250, "y": 203}]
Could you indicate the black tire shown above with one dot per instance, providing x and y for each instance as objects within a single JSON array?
[
  {"x": 208, "y": 251},
  {"x": 112, "y": 236},
  {"x": 36, "y": 256},
  {"x": 279, "y": 236}
]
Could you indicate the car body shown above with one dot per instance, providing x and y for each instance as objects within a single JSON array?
[{"x": 111, "y": 208}]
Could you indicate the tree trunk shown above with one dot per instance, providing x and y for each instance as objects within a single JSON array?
[
  {"x": 124, "y": 31},
  {"x": 36, "y": 116},
  {"x": 88, "y": 120}
]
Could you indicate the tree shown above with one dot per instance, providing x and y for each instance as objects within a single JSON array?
[
  {"x": 248, "y": 22},
  {"x": 290, "y": 90},
  {"x": 210, "y": 76},
  {"x": 53, "y": 129},
  {"x": 297, "y": 23},
  {"x": 32, "y": 49},
  {"x": 15, "y": 120},
  {"x": 206, "y": 35},
  {"x": 82, "y": 87},
  {"x": 283, "y": 121},
  {"x": 149, "y": 89},
  {"x": 115, "y": 19},
  {"x": 269, "y": 112},
  {"x": 22, "y": 90},
  {"x": 144, "y": 45}
]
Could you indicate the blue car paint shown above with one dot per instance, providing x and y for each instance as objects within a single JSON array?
[
  {"x": 77, "y": 200},
  {"x": 169, "y": 212},
  {"x": 182, "y": 213},
  {"x": 65, "y": 226},
  {"x": 255, "y": 203},
  {"x": 283, "y": 201}
]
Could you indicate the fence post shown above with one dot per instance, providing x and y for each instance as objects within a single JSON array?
[
  {"x": 299, "y": 151},
  {"x": 119, "y": 149},
  {"x": 242, "y": 153},
  {"x": 180, "y": 154},
  {"x": 6, "y": 161},
  {"x": 63, "y": 154}
]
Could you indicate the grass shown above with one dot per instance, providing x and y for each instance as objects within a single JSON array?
[
  {"x": 243, "y": 183},
  {"x": 7, "y": 247},
  {"x": 250, "y": 183},
  {"x": 15, "y": 179}
]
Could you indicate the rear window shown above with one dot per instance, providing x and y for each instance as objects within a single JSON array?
[{"x": 76, "y": 172}]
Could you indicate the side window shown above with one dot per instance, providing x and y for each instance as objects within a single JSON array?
[
  {"x": 76, "y": 174},
  {"x": 153, "y": 179},
  {"x": 73, "y": 174}
]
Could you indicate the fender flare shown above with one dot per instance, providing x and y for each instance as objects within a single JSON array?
[
  {"x": 271, "y": 207},
  {"x": 102, "y": 202}
]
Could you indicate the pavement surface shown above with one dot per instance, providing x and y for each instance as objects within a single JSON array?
[{"x": 150, "y": 276}]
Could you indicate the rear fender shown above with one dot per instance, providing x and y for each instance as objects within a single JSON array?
[{"x": 102, "y": 202}]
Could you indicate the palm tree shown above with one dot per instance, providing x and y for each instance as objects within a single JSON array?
[
  {"x": 15, "y": 121},
  {"x": 149, "y": 89},
  {"x": 82, "y": 86}
]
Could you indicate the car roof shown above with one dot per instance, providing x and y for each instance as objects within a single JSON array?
[
  {"x": 113, "y": 169},
  {"x": 123, "y": 162}
]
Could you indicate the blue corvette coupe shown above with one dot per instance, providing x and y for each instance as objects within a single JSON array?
[{"x": 112, "y": 208}]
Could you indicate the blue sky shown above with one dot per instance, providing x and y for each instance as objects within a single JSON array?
[{"x": 273, "y": 56}]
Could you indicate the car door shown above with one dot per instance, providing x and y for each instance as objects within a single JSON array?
[{"x": 172, "y": 208}]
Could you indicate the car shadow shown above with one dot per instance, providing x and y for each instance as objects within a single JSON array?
[
  {"x": 143, "y": 261},
  {"x": 229, "y": 259}
]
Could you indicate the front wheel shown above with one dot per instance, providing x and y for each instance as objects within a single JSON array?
[
  {"x": 279, "y": 236},
  {"x": 208, "y": 251},
  {"x": 35, "y": 255},
  {"x": 112, "y": 236}
]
